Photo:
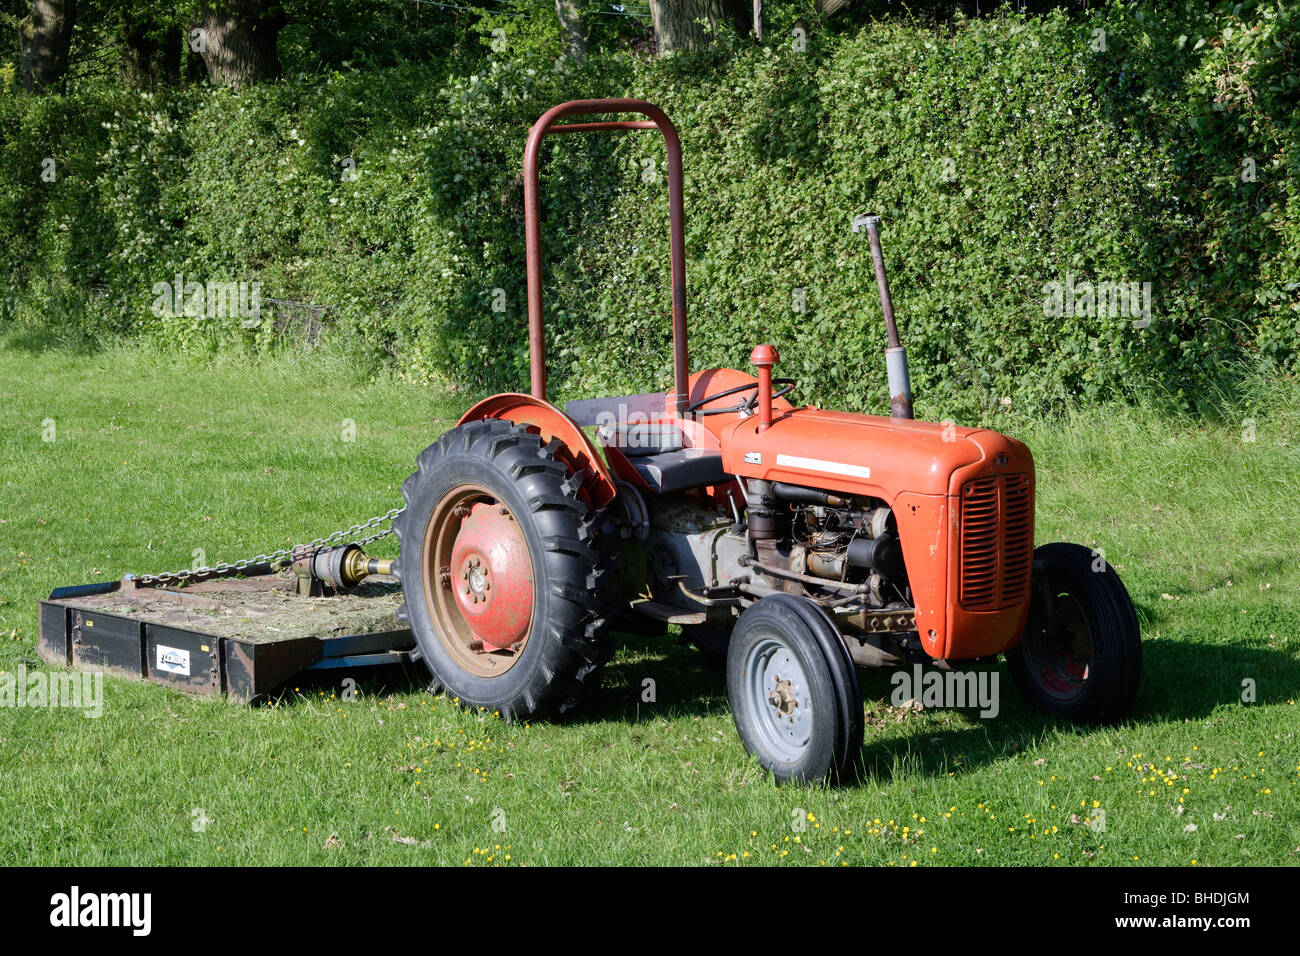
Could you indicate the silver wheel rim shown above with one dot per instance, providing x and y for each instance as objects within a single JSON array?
[{"x": 777, "y": 699}]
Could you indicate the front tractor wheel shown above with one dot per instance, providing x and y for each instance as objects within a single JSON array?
[
  {"x": 499, "y": 572},
  {"x": 1081, "y": 652},
  {"x": 793, "y": 691}
]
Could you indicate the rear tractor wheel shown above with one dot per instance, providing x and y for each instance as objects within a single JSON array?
[{"x": 501, "y": 573}]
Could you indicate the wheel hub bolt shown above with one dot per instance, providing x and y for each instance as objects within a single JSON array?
[{"x": 782, "y": 698}]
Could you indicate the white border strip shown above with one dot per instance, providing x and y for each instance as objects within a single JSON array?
[{"x": 830, "y": 467}]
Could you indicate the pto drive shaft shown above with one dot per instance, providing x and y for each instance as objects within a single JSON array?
[{"x": 338, "y": 568}]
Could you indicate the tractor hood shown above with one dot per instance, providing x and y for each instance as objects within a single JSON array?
[{"x": 868, "y": 454}]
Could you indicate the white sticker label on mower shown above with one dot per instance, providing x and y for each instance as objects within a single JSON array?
[
  {"x": 174, "y": 661},
  {"x": 753, "y": 458},
  {"x": 829, "y": 467}
]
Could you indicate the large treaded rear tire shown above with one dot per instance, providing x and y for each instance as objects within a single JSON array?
[{"x": 567, "y": 642}]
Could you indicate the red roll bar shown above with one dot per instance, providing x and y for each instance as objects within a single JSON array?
[{"x": 533, "y": 230}]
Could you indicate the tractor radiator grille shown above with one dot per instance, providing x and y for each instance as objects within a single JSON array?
[{"x": 997, "y": 541}]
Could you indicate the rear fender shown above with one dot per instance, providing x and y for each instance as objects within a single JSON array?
[{"x": 577, "y": 453}]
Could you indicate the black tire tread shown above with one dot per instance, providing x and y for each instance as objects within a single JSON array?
[
  {"x": 575, "y": 640},
  {"x": 1117, "y": 647},
  {"x": 808, "y": 628},
  {"x": 848, "y": 690}
]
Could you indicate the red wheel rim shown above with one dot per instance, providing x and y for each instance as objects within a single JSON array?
[
  {"x": 1057, "y": 643},
  {"x": 478, "y": 581}
]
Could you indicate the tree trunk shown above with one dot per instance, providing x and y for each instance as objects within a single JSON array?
[
  {"x": 173, "y": 45},
  {"x": 193, "y": 68},
  {"x": 675, "y": 23},
  {"x": 237, "y": 40},
  {"x": 139, "y": 47},
  {"x": 151, "y": 54},
  {"x": 573, "y": 27},
  {"x": 44, "y": 38}
]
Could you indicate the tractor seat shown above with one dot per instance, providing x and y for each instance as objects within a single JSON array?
[
  {"x": 679, "y": 470},
  {"x": 658, "y": 453},
  {"x": 638, "y": 440}
]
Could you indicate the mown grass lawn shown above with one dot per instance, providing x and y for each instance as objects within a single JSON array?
[{"x": 154, "y": 457}]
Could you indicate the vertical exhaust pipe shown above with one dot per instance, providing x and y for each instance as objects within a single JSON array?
[{"x": 900, "y": 383}]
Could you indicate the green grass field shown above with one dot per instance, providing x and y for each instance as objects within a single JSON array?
[{"x": 153, "y": 457}]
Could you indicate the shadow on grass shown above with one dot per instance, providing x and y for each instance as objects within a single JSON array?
[
  {"x": 685, "y": 682},
  {"x": 1181, "y": 681},
  {"x": 370, "y": 683},
  {"x": 1187, "y": 681},
  {"x": 655, "y": 677}
]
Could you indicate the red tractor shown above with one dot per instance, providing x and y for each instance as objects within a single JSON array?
[{"x": 802, "y": 542}]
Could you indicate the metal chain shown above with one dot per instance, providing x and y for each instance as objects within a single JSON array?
[{"x": 346, "y": 536}]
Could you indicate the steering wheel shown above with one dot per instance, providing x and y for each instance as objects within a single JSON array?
[{"x": 744, "y": 406}]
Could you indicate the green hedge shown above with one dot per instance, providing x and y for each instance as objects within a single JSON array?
[{"x": 1004, "y": 154}]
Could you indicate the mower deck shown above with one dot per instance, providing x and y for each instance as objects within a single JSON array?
[{"x": 241, "y": 638}]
